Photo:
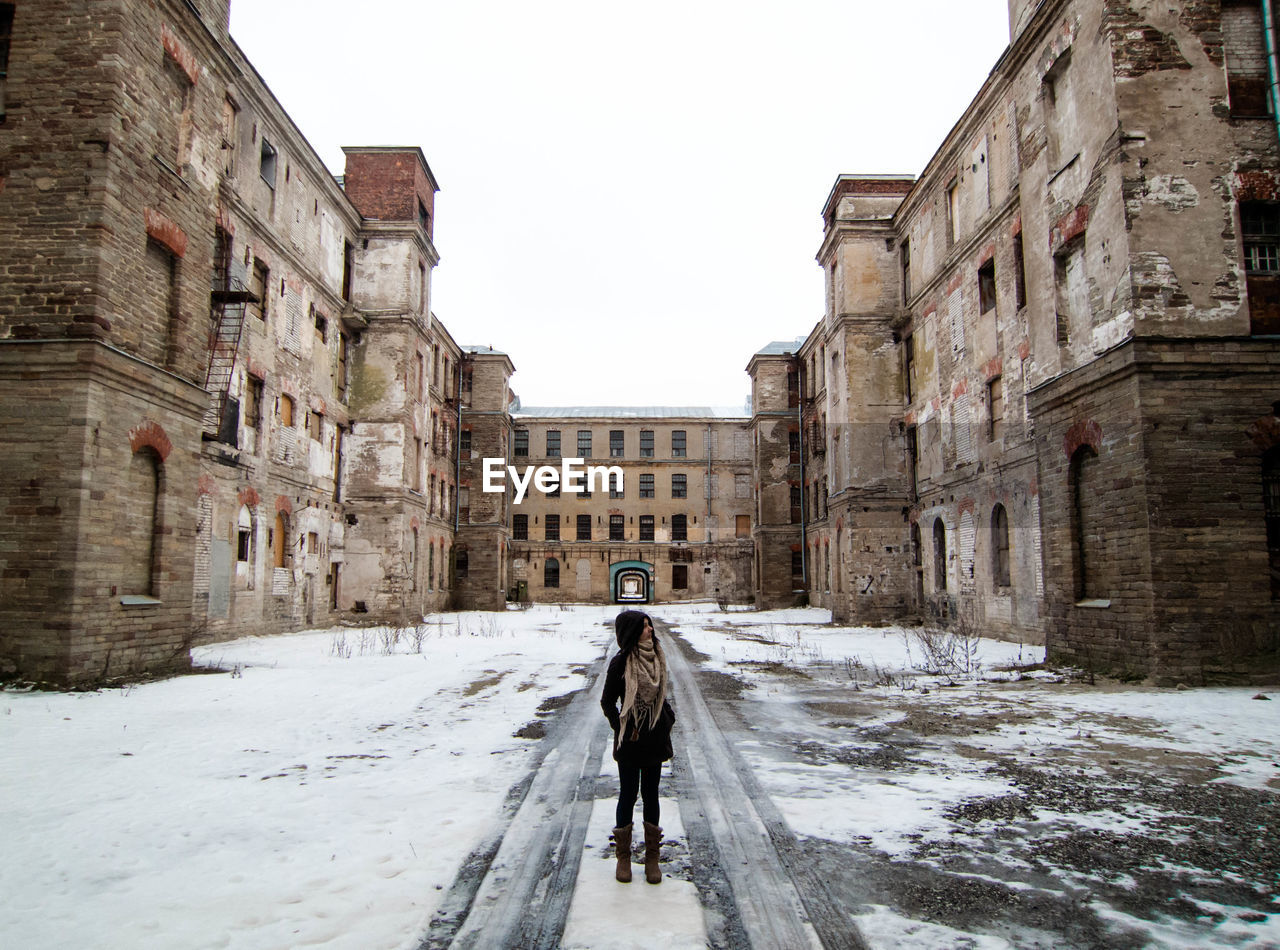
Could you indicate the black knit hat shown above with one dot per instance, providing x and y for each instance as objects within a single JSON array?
[{"x": 629, "y": 625}]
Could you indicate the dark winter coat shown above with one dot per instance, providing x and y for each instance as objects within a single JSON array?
[{"x": 652, "y": 746}]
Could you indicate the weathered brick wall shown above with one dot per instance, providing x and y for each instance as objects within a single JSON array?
[
  {"x": 387, "y": 184},
  {"x": 75, "y": 415}
]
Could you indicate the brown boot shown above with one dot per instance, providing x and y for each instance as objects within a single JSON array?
[
  {"x": 622, "y": 849},
  {"x": 652, "y": 842}
]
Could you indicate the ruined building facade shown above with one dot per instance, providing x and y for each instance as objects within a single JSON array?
[
  {"x": 1043, "y": 397},
  {"x": 1042, "y": 401},
  {"x": 227, "y": 405}
]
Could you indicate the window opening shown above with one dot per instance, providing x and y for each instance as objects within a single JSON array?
[
  {"x": 267, "y": 161},
  {"x": 987, "y": 286},
  {"x": 939, "y": 556}
]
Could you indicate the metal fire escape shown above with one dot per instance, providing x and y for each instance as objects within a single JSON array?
[{"x": 228, "y": 301}]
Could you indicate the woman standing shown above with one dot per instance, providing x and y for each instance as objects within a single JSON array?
[{"x": 637, "y": 677}]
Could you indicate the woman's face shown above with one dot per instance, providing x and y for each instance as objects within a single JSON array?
[{"x": 646, "y": 632}]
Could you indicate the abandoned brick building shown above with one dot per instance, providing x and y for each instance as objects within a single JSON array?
[
  {"x": 1042, "y": 399},
  {"x": 225, "y": 397}
]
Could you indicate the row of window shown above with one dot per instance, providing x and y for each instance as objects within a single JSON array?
[
  {"x": 617, "y": 527},
  {"x": 551, "y": 574},
  {"x": 617, "y": 447}
]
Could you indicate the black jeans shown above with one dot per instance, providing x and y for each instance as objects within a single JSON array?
[{"x": 635, "y": 779}]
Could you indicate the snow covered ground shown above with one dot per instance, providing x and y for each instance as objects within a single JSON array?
[{"x": 323, "y": 790}]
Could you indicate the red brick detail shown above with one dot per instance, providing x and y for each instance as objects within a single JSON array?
[
  {"x": 954, "y": 284},
  {"x": 289, "y": 386},
  {"x": 910, "y": 417},
  {"x": 205, "y": 485},
  {"x": 840, "y": 524},
  {"x": 913, "y": 516},
  {"x": 992, "y": 369},
  {"x": 179, "y": 53},
  {"x": 316, "y": 404},
  {"x": 1265, "y": 432},
  {"x": 986, "y": 254},
  {"x": 960, "y": 388},
  {"x": 967, "y": 504},
  {"x": 257, "y": 370},
  {"x": 284, "y": 505},
  {"x": 150, "y": 434},
  {"x": 1083, "y": 433},
  {"x": 795, "y": 548},
  {"x": 1024, "y": 349},
  {"x": 1034, "y": 487},
  {"x": 294, "y": 284},
  {"x": 249, "y": 497},
  {"x": 414, "y": 523},
  {"x": 1016, "y": 228},
  {"x": 165, "y": 231},
  {"x": 935, "y": 403},
  {"x": 930, "y": 310},
  {"x": 1257, "y": 186},
  {"x": 1070, "y": 225}
]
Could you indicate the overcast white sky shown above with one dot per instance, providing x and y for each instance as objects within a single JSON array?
[{"x": 630, "y": 194}]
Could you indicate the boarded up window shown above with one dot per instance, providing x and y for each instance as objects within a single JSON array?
[
  {"x": 136, "y": 531},
  {"x": 1000, "y": 547},
  {"x": 1246, "y": 55},
  {"x": 967, "y": 534},
  {"x": 1089, "y": 523},
  {"x": 1071, "y": 290}
]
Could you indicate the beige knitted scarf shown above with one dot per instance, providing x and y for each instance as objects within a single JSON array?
[{"x": 644, "y": 689}]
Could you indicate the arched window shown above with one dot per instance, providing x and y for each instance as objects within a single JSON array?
[
  {"x": 139, "y": 526},
  {"x": 939, "y": 556},
  {"x": 551, "y": 573},
  {"x": 1088, "y": 516},
  {"x": 245, "y": 548},
  {"x": 431, "y": 566},
  {"x": 280, "y": 540},
  {"x": 461, "y": 563},
  {"x": 413, "y": 561},
  {"x": 1000, "y": 547}
]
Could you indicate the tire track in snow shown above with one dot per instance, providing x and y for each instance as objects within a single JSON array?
[
  {"x": 780, "y": 903},
  {"x": 515, "y": 889}
]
